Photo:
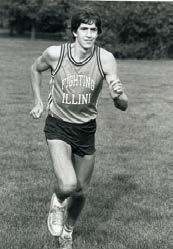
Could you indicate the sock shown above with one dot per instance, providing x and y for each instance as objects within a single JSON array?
[
  {"x": 58, "y": 202},
  {"x": 67, "y": 231}
]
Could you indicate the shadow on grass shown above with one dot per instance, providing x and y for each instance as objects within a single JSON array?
[
  {"x": 112, "y": 220},
  {"x": 104, "y": 203}
]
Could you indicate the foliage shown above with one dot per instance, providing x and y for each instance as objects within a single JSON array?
[
  {"x": 44, "y": 15},
  {"x": 143, "y": 27},
  {"x": 130, "y": 29},
  {"x": 135, "y": 29},
  {"x": 52, "y": 18}
]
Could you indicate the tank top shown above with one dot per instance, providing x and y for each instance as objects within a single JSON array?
[{"x": 75, "y": 87}]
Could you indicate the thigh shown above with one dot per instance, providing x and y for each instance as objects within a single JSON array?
[
  {"x": 84, "y": 167},
  {"x": 61, "y": 156}
]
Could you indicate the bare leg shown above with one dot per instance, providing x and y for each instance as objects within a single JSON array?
[
  {"x": 73, "y": 174},
  {"x": 63, "y": 167},
  {"x": 84, "y": 168},
  {"x": 66, "y": 184}
]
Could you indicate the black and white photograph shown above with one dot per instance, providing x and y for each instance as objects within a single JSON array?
[{"x": 86, "y": 124}]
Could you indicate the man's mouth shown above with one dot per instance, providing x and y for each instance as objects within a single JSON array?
[{"x": 88, "y": 40}]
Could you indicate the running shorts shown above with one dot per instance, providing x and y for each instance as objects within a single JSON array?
[{"x": 81, "y": 137}]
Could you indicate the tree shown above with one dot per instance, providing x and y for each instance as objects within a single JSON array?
[
  {"x": 42, "y": 15},
  {"x": 130, "y": 29},
  {"x": 23, "y": 15},
  {"x": 53, "y": 17},
  {"x": 137, "y": 29}
]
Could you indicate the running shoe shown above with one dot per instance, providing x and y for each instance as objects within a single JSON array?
[
  {"x": 65, "y": 242},
  {"x": 55, "y": 219}
]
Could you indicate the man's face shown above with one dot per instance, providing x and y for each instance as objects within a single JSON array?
[{"x": 86, "y": 35}]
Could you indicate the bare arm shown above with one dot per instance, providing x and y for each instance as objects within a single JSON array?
[
  {"x": 37, "y": 68},
  {"x": 115, "y": 86},
  {"x": 46, "y": 61}
]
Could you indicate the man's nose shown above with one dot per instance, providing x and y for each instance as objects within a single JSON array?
[{"x": 89, "y": 33}]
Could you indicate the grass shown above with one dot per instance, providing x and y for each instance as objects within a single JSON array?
[{"x": 128, "y": 199}]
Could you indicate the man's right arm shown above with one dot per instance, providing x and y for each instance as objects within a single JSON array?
[{"x": 46, "y": 61}]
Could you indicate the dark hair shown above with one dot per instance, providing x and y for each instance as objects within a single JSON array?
[{"x": 87, "y": 16}]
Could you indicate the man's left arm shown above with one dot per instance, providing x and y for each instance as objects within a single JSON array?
[{"x": 115, "y": 86}]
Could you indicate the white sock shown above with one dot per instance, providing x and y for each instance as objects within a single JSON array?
[{"x": 59, "y": 202}]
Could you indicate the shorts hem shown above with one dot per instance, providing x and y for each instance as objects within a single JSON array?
[
  {"x": 81, "y": 154},
  {"x": 56, "y": 138},
  {"x": 84, "y": 154}
]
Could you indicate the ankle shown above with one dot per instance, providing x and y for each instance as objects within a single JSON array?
[
  {"x": 61, "y": 198},
  {"x": 59, "y": 202}
]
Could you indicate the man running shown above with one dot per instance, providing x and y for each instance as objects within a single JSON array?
[{"x": 77, "y": 73}]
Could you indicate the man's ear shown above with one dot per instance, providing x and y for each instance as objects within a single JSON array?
[{"x": 74, "y": 34}]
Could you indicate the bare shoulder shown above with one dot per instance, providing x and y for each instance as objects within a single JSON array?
[
  {"x": 106, "y": 56},
  {"x": 51, "y": 55},
  {"x": 108, "y": 61}
]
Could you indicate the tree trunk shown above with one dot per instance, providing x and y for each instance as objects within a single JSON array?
[{"x": 33, "y": 32}]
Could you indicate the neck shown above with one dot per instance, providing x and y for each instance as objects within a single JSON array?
[{"x": 80, "y": 53}]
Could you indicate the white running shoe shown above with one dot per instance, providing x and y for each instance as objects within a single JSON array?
[
  {"x": 65, "y": 242},
  {"x": 55, "y": 220},
  {"x": 65, "y": 239}
]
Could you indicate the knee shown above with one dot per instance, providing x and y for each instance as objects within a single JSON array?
[
  {"x": 81, "y": 190},
  {"x": 67, "y": 187},
  {"x": 79, "y": 195},
  {"x": 82, "y": 186}
]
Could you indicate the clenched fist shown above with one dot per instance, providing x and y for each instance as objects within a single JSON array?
[
  {"x": 37, "y": 110},
  {"x": 116, "y": 88}
]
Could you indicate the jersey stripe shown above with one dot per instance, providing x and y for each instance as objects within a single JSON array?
[
  {"x": 60, "y": 60},
  {"x": 99, "y": 62},
  {"x": 50, "y": 97}
]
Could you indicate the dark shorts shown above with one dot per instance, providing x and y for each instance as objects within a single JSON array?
[{"x": 81, "y": 137}]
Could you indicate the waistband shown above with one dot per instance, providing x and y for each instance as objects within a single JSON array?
[{"x": 53, "y": 115}]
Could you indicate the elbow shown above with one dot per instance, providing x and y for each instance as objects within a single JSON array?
[{"x": 32, "y": 69}]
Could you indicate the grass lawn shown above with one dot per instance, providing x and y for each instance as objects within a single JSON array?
[{"x": 128, "y": 202}]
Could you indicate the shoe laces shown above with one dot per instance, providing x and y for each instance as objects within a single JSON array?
[
  {"x": 66, "y": 242},
  {"x": 57, "y": 215}
]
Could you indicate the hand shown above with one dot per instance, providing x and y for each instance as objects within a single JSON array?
[
  {"x": 37, "y": 111},
  {"x": 116, "y": 88}
]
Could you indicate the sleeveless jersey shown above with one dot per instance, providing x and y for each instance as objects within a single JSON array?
[{"x": 75, "y": 87}]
